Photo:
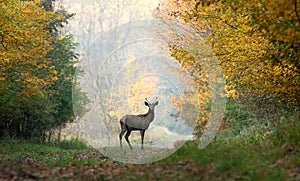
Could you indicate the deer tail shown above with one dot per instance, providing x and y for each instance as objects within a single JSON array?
[{"x": 122, "y": 122}]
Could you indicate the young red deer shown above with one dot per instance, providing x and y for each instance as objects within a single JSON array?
[{"x": 139, "y": 122}]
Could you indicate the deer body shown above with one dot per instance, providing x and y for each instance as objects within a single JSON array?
[{"x": 139, "y": 122}]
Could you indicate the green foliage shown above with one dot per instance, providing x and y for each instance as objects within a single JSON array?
[
  {"x": 24, "y": 70},
  {"x": 287, "y": 132},
  {"x": 259, "y": 142},
  {"x": 62, "y": 58},
  {"x": 256, "y": 119},
  {"x": 240, "y": 158},
  {"x": 37, "y": 70},
  {"x": 238, "y": 118},
  {"x": 80, "y": 100},
  {"x": 54, "y": 154}
]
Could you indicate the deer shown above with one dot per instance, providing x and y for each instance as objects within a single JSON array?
[{"x": 139, "y": 122}]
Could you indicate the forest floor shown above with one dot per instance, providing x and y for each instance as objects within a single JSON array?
[
  {"x": 28, "y": 170},
  {"x": 235, "y": 160}
]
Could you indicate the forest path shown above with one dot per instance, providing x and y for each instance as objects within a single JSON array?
[{"x": 107, "y": 169}]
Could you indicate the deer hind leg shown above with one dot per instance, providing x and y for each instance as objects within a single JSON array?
[
  {"x": 121, "y": 135},
  {"x": 126, "y": 137},
  {"x": 123, "y": 130},
  {"x": 142, "y": 136}
]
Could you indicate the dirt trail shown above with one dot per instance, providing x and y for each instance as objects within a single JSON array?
[{"x": 137, "y": 155}]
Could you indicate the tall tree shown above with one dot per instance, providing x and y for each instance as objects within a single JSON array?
[
  {"x": 25, "y": 70},
  {"x": 37, "y": 69}
]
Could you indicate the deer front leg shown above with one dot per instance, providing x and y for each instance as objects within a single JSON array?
[
  {"x": 126, "y": 137},
  {"x": 142, "y": 136}
]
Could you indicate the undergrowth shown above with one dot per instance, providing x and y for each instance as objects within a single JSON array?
[{"x": 266, "y": 152}]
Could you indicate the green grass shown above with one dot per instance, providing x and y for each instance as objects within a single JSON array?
[
  {"x": 53, "y": 154},
  {"x": 72, "y": 144},
  {"x": 252, "y": 158}
]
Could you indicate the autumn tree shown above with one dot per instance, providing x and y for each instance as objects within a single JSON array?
[
  {"x": 24, "y": 69},
  {"x": 37, "y": 69},
  {"x": 256, "y": 43}
]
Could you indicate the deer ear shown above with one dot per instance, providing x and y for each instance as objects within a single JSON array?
[
  {"x": 146, "y": 103},
  {"x": 156, "y": 103}
]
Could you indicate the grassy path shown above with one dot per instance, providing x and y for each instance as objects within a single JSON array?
[{"x": 236, "y": 160}]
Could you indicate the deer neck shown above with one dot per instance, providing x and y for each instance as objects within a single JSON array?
[{"x": 150, "y": 115}]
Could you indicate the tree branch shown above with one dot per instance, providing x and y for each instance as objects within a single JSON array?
[
  {"x": 2, "y": 43},
  {"x": 297, "y": 11}
]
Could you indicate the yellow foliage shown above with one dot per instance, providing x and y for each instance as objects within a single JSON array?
[
  {"x": 270, "y": 15},
  {"x": 25, "y": 41},
  {"x": 141, "y": 90},
  {"x": 231, "y": 90},
  {"x": 242, "y": 35},
  {"x": 38, "y": 2}
]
